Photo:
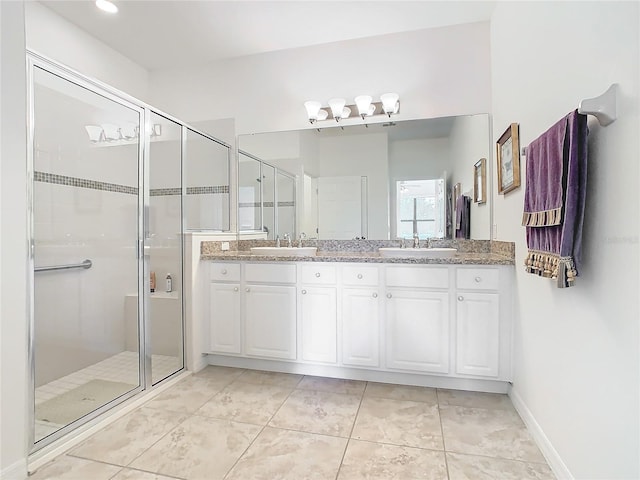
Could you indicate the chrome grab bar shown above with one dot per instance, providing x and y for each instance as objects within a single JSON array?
[{"x": 85, "y": 264}]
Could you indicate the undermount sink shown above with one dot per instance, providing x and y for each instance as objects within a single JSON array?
[
  {"x": 284, "y": 251},
  {"x": 436, "y": 252}
]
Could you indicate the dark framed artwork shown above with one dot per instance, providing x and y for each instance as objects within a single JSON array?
[
  {"x": 508, "y": 155},
  {"x": 480, "y": 181}
]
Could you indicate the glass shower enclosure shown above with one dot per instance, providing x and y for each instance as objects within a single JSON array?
[
  {"x": 266, "y": 198},
  {"x": 108, "y": 217}
]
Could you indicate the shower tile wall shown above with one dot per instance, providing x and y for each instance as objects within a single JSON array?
[
  {"x": 84, "y": 308},
  {"x": 207, "y": 180}
]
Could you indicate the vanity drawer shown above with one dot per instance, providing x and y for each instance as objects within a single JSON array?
[
  {"x": 418, "y": 277},
  {"x": 318, "y": 274},
  {"x": 478, "y": 278},
  {"x": 360, "y": 275},
  {"x": 225, "y": 272},
  {"x": 270, "y": 273}
]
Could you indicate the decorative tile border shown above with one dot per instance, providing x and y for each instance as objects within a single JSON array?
[
  {"x": 83, "y": 183},
  {"x": 215, "y": 189},
  {"x": 266, "y": 204},
  {"x": 161, "y": 192},
  {"x": 114, "y": 187},
  {"x": 205, "y": 190}
]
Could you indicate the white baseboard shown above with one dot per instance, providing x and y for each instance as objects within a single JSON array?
[
  {"x": 558, "y": 467},
  {"x": 201, "y": 363},
  {"x": 363, "y": 374},
  {"x": 17, "y": 471}
]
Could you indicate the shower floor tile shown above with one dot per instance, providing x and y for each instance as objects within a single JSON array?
[{"x": 122, "y": 367}]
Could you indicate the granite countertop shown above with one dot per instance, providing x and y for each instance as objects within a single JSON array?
[
  {"x": 469, "y": 252},
  {"x": 460, "y": 258}
]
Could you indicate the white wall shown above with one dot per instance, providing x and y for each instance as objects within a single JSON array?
[
  {"x": 469, "y": 143},
  {"x": 576, "y": 350},
  {"x": 54, "y": 37},
  {"x": 13, "y": 245},
  {"x": 437, "y": 72}
]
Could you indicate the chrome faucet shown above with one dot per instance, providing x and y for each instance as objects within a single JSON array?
[
  {"x": 301, "y": 238},
  {"x": 416, "y": 240},
  {"x": 287, "y": 237}
]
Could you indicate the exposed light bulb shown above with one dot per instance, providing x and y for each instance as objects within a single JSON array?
[{"x": 106, "y": 6}]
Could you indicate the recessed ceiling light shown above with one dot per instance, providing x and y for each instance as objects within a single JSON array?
[{"x": 107, "y": 6}]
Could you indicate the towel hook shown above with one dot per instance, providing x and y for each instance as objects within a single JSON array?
[{"x": 602, "y": 107}]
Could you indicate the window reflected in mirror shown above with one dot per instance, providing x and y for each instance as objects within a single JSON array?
[{"x": 421, "y": 208}]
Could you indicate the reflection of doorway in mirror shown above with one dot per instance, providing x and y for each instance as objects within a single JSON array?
[
  {"x": 341, "y": 208},
  {"x": 309, "y": 219}
]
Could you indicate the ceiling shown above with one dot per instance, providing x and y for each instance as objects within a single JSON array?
[{"x": 186, "y": 33}]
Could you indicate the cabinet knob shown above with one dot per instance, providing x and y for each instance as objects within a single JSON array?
[
  {"x": 460, "y": 298},
  {"x": 224, "y": 271},
  {"x": 235, "y": 289},
  {"x": 359, "y": 276},
  {"x": 317, "y": 274},
  {"x": 389, "y": 295},
  {"x": 478, "y": 279},
  {"x": 304, "y": 292},
  {"x": 375, "y": 295},
  {"x": 247, "y": 289}
]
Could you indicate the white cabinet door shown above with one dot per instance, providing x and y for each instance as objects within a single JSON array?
[
  {"x": 360, "y": 327},
  {"x": 417, "y": 334},
  {"x": 225, "y": 324},
  {"x": 318, "y": 324},
  {"x": 270, "y": 321},
  {"x": 478, "y": 334}
]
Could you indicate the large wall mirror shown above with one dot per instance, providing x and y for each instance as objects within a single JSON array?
[{"x": 381, "y": 181}]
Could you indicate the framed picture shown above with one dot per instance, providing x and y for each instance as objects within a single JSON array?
[
  {"x": 508, "y": 155},
  {"x": 480, "y": 181}
]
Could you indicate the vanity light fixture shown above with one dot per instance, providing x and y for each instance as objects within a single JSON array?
[
  {"x": 337, "y": 107},
  {"x": 338, "y": 110},
  {"x": 107, "y": 6},
  {"x": 363, "y": 102},
  {"x": 313, "y": 108},
  {"x": 390, "y": 103}
]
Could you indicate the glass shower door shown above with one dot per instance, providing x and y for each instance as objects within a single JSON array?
[
  {"x": 164, "y": 242},
  {"x": 85, "y": 233}
]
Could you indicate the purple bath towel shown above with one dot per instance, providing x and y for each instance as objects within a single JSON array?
[
  {"x": 463, "y": 217},
  {"x": 554, "y": 199}
]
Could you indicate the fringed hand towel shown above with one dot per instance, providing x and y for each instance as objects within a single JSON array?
[{"x": 554, "y": 200}]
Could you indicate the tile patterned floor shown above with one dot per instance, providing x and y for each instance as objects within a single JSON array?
[{"x": 233, "y": 424}]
